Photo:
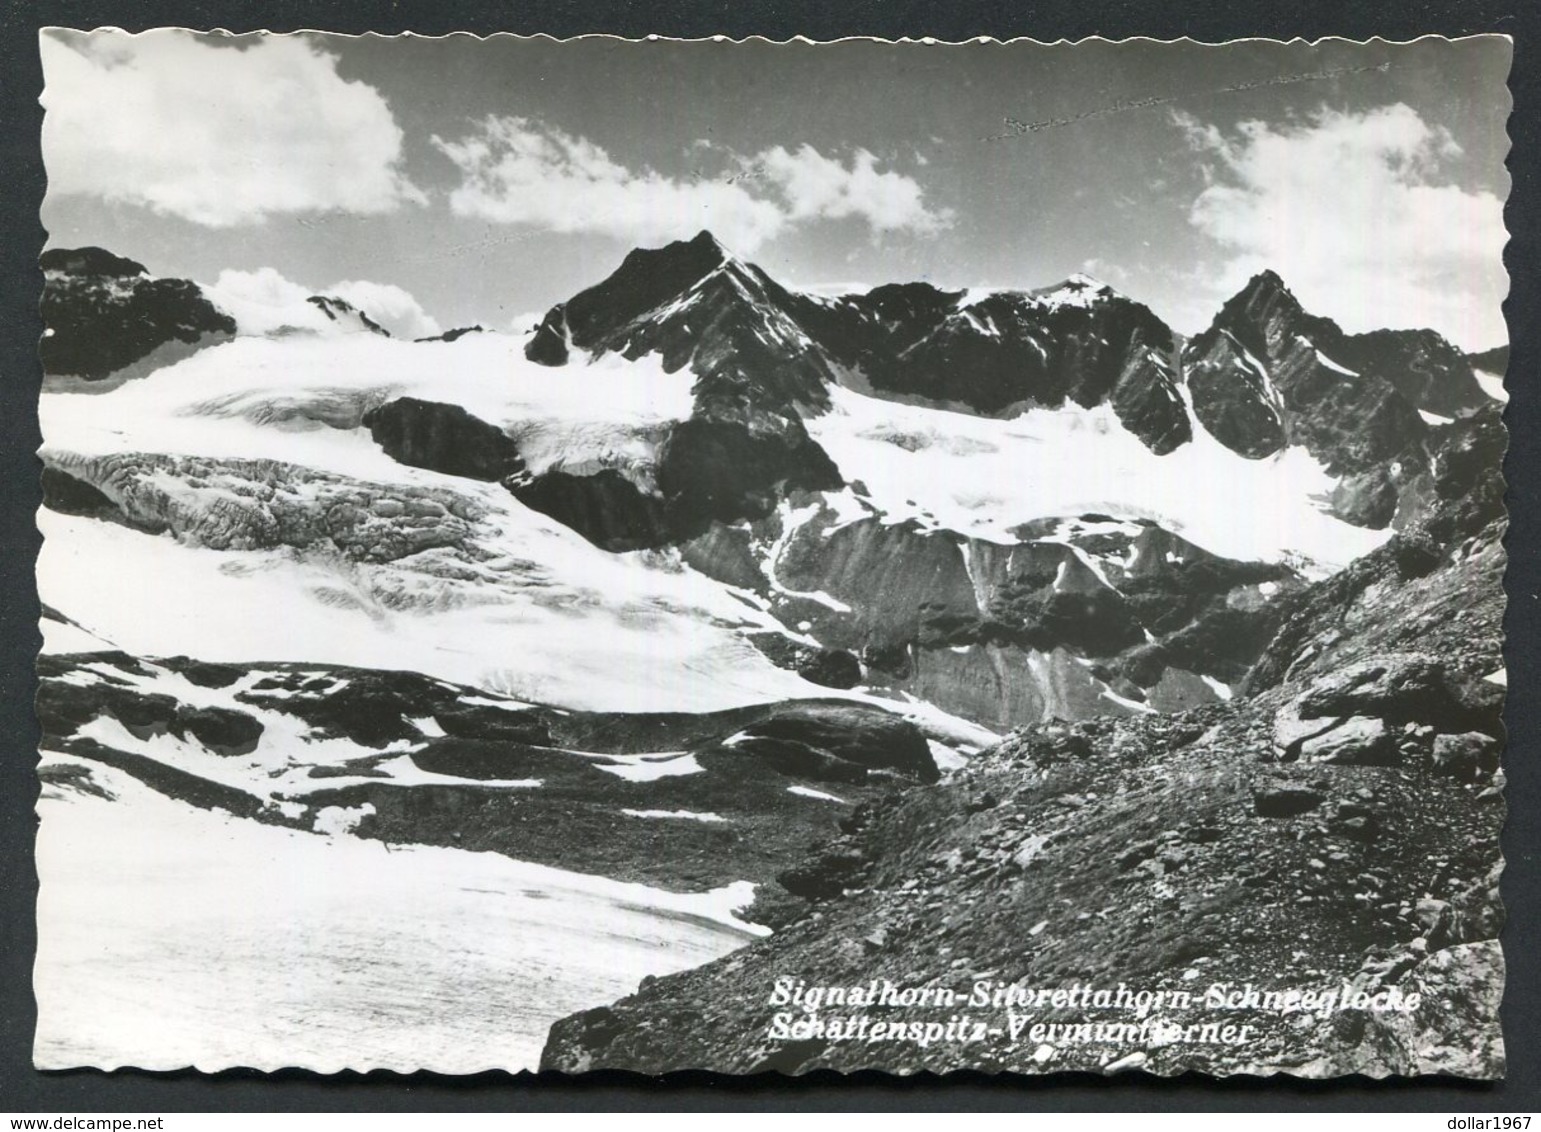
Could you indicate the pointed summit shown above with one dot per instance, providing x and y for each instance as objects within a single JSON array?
[
  {"x": 646, "y": 279},
  {"x": 1265, "y": 281}
]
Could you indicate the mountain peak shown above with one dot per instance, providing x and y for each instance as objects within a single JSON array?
[
  {"x": 704, "y": 241},
  {"x": 646, "y": 279},
  {"x": 1266, "y": 283},
  {"x": 1079, "y": 290},
  {"x": 90, "y": 261}
]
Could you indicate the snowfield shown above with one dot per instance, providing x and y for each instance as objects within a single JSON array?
[
  {"x": 982, "y": 477},
  {"x": 301, "y": 399},
  {"x": 234, "y": 943}
]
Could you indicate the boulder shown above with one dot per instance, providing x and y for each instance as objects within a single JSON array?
[
  {"x": 832, "y": 668},
  {"x": 223, "y": 731},
  {"x": 861, "y": 737},
  {"x": 1456, "y": 1031},
  {"x": 1400, "y": 688},
  {"x": 1285, "y": 801},
  {"x": 1466, "y": 756},
  {"x": 1357, "y": 741},
  {"x": 825, "y": 876}
]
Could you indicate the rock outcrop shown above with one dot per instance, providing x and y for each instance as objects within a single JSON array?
[
  {"x": 1266, "y": 374},
  {"x": 443, "y": 438},
  {"x": 102, "y": 313}
]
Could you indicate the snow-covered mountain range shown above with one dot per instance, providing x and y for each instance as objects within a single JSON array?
[
  {"x": 1008, "y": 505},
  {"x": 663, "y": 588}
]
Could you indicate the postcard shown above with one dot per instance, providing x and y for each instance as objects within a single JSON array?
[{"x": 705, "y": 555}]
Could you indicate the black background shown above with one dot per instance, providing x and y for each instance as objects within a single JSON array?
[{"x": 22, "y": 1089}]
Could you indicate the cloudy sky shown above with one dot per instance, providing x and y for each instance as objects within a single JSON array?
[{"x": 445, "y": 182}]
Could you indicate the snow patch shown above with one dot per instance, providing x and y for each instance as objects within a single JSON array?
[
  {"x": 810, "y": 792},
  {"x": 946, "y": 758},
  {"x": 683, "y": 815},
  {"x": 1492, "y": 384},
  {"x": 428, "y": 725},
  {"x": 650, "y": 768},
  {"x": 337, "y": 820},
  {"x": 1218, "y": 687},
  {"x": 1324, "y": 360}
]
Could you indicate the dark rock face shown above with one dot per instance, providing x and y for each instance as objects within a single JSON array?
[
  {"x": 340, "y": 310},
  {"x": 443, "y": 438},
  {"x": 715, "y": 470},
  {"x": 453, "y": 335},
  {"x": 1423, "y": 367},
  {"x": 825, "y": 876},
  {"x": 865, "y": 739},
  {"x": 745, "y": 445},
  {"x": 222, "y": 730},
  {"x": 1233, "y": 400},
  {"x": 103, "y": 313},
  {"x": 1464, "y": 465},
  {"x": 207, "y": 675},
  {"x": 831, "y": 668},
  {"x": 695, "y": 305},
  {"x": 1079, "y": 343},
  {"x": 67, "y": 495},
  {"x": 1266, "y": 373},
  {"x": 1016, "y": 347},
  {"x": 89, "y": 261},
  {"x": 606, "y": 508},
  {"x": 1367, "y": 499},
  {"x": 902, "y": 584},
  {"x": 1495, "y": 360},
  {"x": 549, "y": 346},
  {"x": 1004, "y": 634},
  {"x": 1148, "y": 404}
]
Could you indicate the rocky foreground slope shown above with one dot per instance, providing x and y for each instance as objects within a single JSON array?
[{"x": 1334, "y": 830}]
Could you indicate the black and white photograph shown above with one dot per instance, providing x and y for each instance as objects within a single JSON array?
[{"x": 660, "y": 555}]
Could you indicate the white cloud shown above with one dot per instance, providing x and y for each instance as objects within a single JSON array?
[
  {"x": 817, "y": 186},
  {"x": 216, "y": 135},
  {"x": 389, "y": 305},
  {"x": 263, "y": 301},
  {"x": 1355, "y": 212},
  {"x": 1106, "y": 271},
  {"x": 521, "y": 171}
]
